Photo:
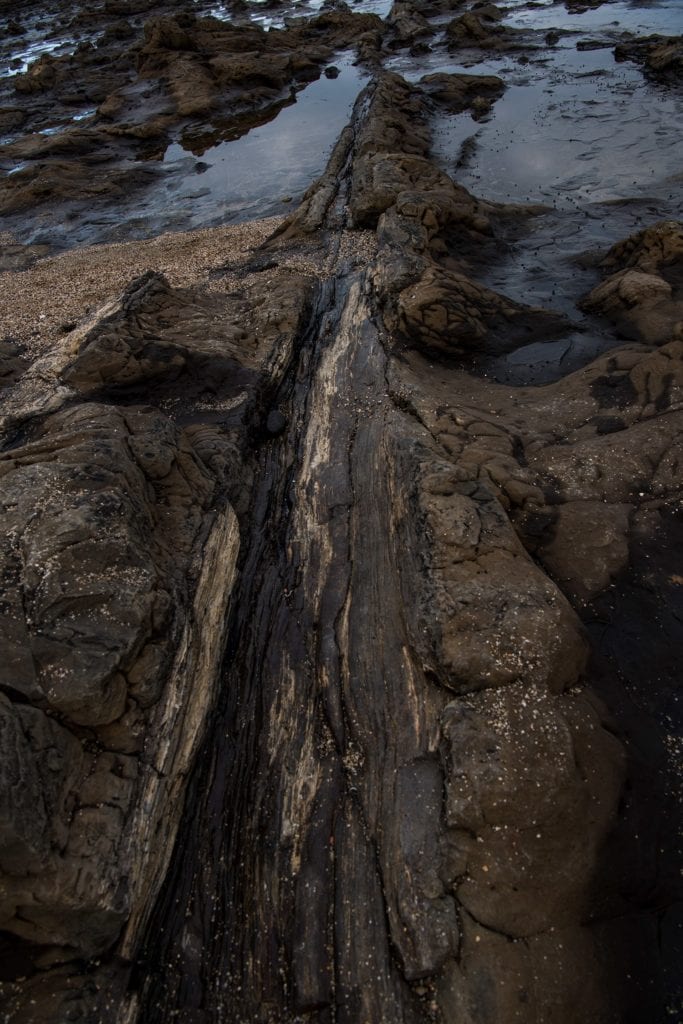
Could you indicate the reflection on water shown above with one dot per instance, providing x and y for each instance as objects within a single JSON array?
[
  {"x": 260, "y": 174},
  {"x": 573, "y": 128},
  {"x": 261, "y": 11},
  {"x": 575, "y": 131},
  {"x": 18, "y": 60},
  {"x": 250, "y": 176}
]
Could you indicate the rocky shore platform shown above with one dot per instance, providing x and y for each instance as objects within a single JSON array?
[{"x": 341, "y": 602}]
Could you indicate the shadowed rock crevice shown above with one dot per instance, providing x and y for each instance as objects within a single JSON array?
[
  {"x": 327, "y": 695},
  {"x": 119, "y": 562}
]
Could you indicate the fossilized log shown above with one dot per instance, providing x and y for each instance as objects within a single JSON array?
[
  {"x": 412, "y": 784},
  {"x": 407, "y": 805}
]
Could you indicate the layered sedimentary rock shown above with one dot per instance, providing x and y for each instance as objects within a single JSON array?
[
  {"x": 119, "y": 561},
  {"x": 422, "y": 776},
  {"x": 292, "y": 584},
  {"x": 166, "y": 75}
]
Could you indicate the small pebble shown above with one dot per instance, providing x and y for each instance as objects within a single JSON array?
[{"x": 276, "y": 422}]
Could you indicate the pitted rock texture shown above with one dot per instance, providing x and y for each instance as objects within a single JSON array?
[
  {"x": 451, "y": 314},
  {"x": 425, "y": 791},
  {"x": 118, "y": 564},
  {"x": 644, "y": 294}
]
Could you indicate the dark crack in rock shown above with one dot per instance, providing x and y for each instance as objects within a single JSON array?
[{"x": 338, "y": 679}]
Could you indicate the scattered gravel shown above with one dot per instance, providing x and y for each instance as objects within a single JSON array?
[{"x": 41, "y": 304}]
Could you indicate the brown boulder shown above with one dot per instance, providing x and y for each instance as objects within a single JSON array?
[
  {"x": 642, "y": 305},
  {"x": 476, "y": 30},
  {"x": 461, "y": 92},
  {"x": 658, "y": 246},
  {"x": 449, "y": 313}
]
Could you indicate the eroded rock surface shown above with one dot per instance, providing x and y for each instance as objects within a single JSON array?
[
  {"x": 433, "y": 840},
  {"x": 660, "y": 56},
  {"x": 328, "y": 657},
  {"x": 149, "y": 81},
  {"x": 118, "y": 564}
]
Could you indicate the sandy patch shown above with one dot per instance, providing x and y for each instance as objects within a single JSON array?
[{"x": 39, "y": 304}]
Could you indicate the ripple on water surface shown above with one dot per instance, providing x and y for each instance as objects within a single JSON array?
[{"x": 576, "y": 129}]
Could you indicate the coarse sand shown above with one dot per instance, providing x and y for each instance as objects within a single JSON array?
[{"x": 42, "y": 303}]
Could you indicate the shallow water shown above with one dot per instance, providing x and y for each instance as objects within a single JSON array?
[
  {"x": 574, "y": 130},
  {"x": 657, "y": 16},
  {"x": 261, "y": 12},
  {"x": 42, "y": 35},
  {"x": 18, "y": 61},
  {"x": 207, "y": 182},
  {"x": 589, "y": 138},
  {"x": 251, "y": 176},
  {"x": 577, "y": 127},
  {"x": 572, "y": 126}
]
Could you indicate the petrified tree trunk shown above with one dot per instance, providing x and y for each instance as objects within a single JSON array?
[
  {"x": 408, "y": 792},
  {"x": 406, "y": 787}
]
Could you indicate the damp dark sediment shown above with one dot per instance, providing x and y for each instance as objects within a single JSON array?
[{"x": 634, "y": 629}]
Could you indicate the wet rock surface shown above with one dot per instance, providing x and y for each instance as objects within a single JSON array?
[
  {"x": 95, "y": 122},
  {"x": 118, "y": 568},
  {"x": 660, "y": 56},
  {"x": 341, "y": 673}
]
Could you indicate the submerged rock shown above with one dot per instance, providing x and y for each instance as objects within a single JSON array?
[
  {"x": 643, "y": 297},
  {"x": 660, "y": 56},
  {"x": 480, "y": 29}
]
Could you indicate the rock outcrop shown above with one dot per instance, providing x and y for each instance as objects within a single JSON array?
[
  {"x": 642, "y": 297},
  {"x": 480, "y": 29},
  {"x": 172, "y": 76},
  {"x": 119, "y": 562},
  {"x": 660, "y": 56},
  {"x": 327, "y": 657},
  {"x": 428, "y": 838}
]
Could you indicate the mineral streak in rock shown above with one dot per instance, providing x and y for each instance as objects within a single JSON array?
[{"x": 321, "y": 647}]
